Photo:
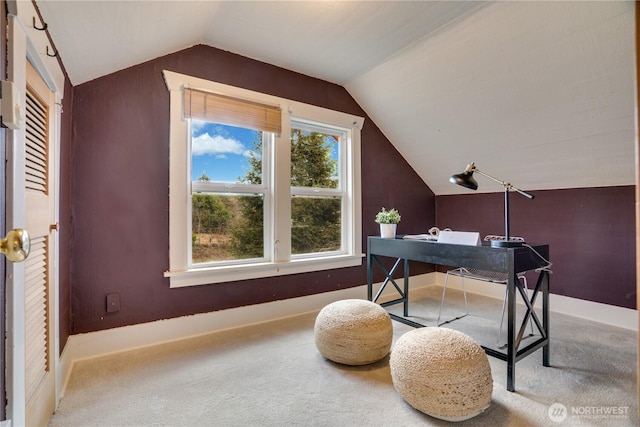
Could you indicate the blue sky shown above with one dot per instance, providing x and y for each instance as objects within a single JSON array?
[{"x": 220, "y": 151}]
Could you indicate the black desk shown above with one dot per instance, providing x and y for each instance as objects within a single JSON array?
[{"x": 506, "y": 260}]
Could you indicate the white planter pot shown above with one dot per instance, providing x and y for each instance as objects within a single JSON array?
[{"x": 388, "y": 231}]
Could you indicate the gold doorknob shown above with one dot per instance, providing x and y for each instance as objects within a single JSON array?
[{"x": 16, "y": 245}]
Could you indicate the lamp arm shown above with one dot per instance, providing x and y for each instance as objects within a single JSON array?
[
  {"x": 505, "y": 184},
  {"x": 524, "y": 193}
]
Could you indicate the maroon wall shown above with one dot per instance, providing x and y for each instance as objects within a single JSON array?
[
  {"x": 590, "y": 232},
  {"x": 118, "y": 193},
  {"x": 119, "y": 175}
]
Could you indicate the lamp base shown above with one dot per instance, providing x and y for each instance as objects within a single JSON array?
[{"x": 506, "y": 244}]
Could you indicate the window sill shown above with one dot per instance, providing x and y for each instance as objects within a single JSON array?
[{"x": 230, "y": 273}]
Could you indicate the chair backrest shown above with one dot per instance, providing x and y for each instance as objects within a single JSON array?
[{"x": 489, "y": 276}]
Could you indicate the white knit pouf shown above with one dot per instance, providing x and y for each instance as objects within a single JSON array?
[
  {"x": 353, "y": 332},
  {"x": 442, "y": 372}
]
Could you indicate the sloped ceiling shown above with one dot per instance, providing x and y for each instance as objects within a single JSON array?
[{"x": 540, "y": 94}]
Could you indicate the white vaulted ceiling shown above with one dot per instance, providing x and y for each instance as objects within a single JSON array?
[{"x": 537, "y": 93}]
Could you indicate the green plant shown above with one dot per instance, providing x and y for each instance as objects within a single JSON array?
[{"x": 388, "y": 216}]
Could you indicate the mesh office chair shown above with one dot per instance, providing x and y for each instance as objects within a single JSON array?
[{"x": 487, "y": 276}]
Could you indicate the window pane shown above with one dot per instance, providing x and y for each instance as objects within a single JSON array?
[
  {"x": 315, "y": 224},
  {"x": 222, "y": 153},
  {"x": 314, "y": 157},
  {"x": 226, "y": 227}
]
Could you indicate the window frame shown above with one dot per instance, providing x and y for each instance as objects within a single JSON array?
[
  {"x": 339, "y": 192},
  {"x": 278, "y": 215}
]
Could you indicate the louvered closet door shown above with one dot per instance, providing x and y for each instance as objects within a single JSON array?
[{"x": 39, "y": 216}]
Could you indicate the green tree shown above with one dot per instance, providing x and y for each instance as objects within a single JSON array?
[
  {"x": 209, "y": 214},
  {"x": 204, "y": 177},
  {"x": 247, "y": 236},
  {"x": 315, "y": 224},
  {"x": 315, "y": 220},
  {"x": 311, "y": 162}
]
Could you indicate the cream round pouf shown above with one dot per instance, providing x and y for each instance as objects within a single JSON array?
[
  {"x": 442, "y": 372},
  {"x": 353, "y": 332}
]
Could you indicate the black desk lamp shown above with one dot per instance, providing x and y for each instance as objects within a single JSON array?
[{"x": 466, "y": 180}]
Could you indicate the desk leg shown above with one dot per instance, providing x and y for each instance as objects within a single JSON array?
[
  {"x": 406, "y": 287},
  {"x": 546, "y": 351},
  {"x": 369, "y": 276},
  {"x": 511, "y": 318}
]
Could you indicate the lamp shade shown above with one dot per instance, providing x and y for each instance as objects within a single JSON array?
[{"x": 465, "y": 179}]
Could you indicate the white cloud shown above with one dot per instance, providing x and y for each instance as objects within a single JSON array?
[
  {"x": 197, "y": 125},
  {"x": 216, "y": 145}
]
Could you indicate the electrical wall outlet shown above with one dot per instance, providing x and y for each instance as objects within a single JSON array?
[{"x": 113, "y": 303}]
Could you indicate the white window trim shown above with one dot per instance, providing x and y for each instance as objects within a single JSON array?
[{"x": 179, "y": 273}]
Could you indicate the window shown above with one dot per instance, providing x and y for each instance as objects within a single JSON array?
[
  {"x": 317, "y": 193},
  {"x": 259, "y": 185}
]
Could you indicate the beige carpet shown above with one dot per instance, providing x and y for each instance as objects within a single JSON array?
[{"x": 272, "y": 375}]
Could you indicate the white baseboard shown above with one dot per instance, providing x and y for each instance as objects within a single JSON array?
[{"x": 94, "y": 344}]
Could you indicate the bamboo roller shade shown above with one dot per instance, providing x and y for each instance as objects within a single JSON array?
[{"x": 227, "y": 110}]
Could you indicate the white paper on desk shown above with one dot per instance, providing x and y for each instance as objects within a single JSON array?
[{"x": 468, "y": 238}]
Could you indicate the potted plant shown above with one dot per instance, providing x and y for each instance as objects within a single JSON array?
[{"x": 388, "y": 220}]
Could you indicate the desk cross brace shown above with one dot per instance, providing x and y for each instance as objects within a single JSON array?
[
  {"x": 404, "y": 297},
  {"x": 529, "y": 315}
]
